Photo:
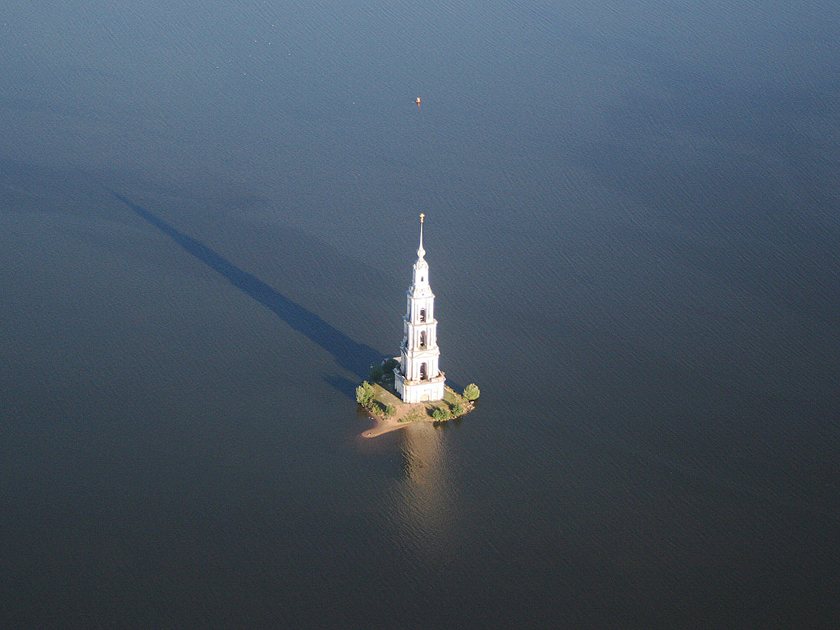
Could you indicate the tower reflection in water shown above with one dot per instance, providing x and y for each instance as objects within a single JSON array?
[{"x": 425, "y": 499}]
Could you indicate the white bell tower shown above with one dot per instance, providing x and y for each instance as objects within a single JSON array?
[{"x": 418, "y": 377}]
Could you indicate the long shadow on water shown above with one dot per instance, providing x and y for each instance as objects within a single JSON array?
[{"x": 349, "y": 354}]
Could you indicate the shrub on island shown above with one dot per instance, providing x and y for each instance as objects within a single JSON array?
[
  {"x": 471, "y": 392},
  {"x": 364, "y": 394}
]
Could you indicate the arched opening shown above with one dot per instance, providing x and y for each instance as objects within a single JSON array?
[
  {"x": 423, "y": 339},
  {"x": 422, "y": 315},
  {"x": 423, "y": 372}
]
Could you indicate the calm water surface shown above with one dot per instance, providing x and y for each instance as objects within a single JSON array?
[{"x": 208, "y": 216}]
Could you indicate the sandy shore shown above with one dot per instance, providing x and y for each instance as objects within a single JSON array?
[
  {"x": 385, "y": 426},
  {"x": 397, "y": 421}
]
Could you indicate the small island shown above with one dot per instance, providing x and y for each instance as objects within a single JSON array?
[
  {"x": 379, "y": 398},
  {"x": 411, "y": 387}
]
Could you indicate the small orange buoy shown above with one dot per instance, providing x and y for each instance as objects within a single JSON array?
[{"x": 418, "y": 100}]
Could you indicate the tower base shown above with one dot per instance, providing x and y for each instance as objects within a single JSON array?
[{"x": 419, "y": 391}]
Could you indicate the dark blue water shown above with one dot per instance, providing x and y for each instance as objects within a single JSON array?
[{"x": 208, "y": 216}]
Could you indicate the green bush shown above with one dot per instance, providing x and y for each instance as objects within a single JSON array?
[
  {"x": 471, "y": 392},
  {"x": 457, "y": 409},
  {"x": 390, "y": 410},
  {"x": 441, "y": 414},
  {"x": 364, "y": 394}
]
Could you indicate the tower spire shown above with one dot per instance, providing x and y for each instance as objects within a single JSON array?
[{"x": 420, "y": 251}]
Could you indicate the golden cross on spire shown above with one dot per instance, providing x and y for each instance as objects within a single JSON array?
[{"x": 422, "y": 216}]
